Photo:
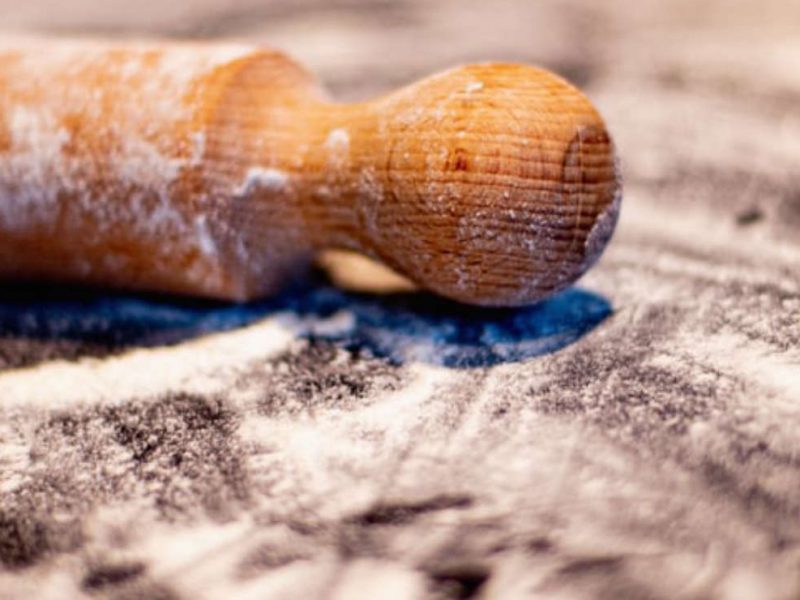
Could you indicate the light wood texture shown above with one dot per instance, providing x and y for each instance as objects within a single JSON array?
[{"x": 221, "y": 171}]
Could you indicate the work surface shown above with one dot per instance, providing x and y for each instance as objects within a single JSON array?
[{"x": 637, "y": 436}]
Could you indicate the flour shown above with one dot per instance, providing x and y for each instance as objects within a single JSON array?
[
  {"x": 199, "y": 366},
  {"x": 117, "y": 146},
  {"x": 372, "y": 195},
  {"x": 473, "y": 86},
  {"x": 603, "y": 227},
  {"x": 258, "y": 178},
  {"x": 29, "y": 171},
  {"x": 338, "y": 140},
  {"x": 204, "y": 239},
  {"x": 198, "y": 148}
]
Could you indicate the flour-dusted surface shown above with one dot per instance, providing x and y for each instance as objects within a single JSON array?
[
  {"x": 98, "y": 166},
  {"x": 634, "y": 437}
]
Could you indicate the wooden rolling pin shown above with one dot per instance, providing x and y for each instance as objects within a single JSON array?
[{"x": 220, "y": 171}]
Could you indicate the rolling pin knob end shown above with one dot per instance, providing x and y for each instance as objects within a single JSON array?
[{"x": 500, "y": 185}]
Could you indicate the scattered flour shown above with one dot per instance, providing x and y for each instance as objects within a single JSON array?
[
  {"x": 204, "y": 238},
  {"x": 473, "y": 86},
  {"x": 136, "y": 109},
  {"x": 372, "y": 196},
  {"x": 364, "y": 579},
  {"x": 38, "y": 141},
  {"x": 338, "y": 145},
  {"x": 338, "y": 139},
  {"x": 602, "y": 230},
  {"x": 337, "y": 324},
  {"x": 198, "y": 147},
  {"x": 779, "y": 373},
  {"x": 259, "y": 178},
  {"x": 198, "y": 366},
  {"x": 349, "y": 435}
]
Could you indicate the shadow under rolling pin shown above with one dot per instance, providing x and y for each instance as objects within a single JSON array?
[{"x": 221, "y": 171}]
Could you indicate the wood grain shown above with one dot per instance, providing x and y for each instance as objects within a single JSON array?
[{"x": 220, "y": 171}]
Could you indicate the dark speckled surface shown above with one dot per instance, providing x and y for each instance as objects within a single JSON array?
[
  {"x": 400, "y": 327},
  {"x": 633, "y": 437}
]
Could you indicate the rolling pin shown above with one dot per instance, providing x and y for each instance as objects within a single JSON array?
[{"x": 220, "y": 171}]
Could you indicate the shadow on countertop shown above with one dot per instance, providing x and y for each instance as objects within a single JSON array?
[{"x": 40, "y": 323}]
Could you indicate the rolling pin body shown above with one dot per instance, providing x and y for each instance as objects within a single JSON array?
[{"x": 220, "y": 171}]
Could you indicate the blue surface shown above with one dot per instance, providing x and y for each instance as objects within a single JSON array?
[{"x": 398, "y": 327}]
